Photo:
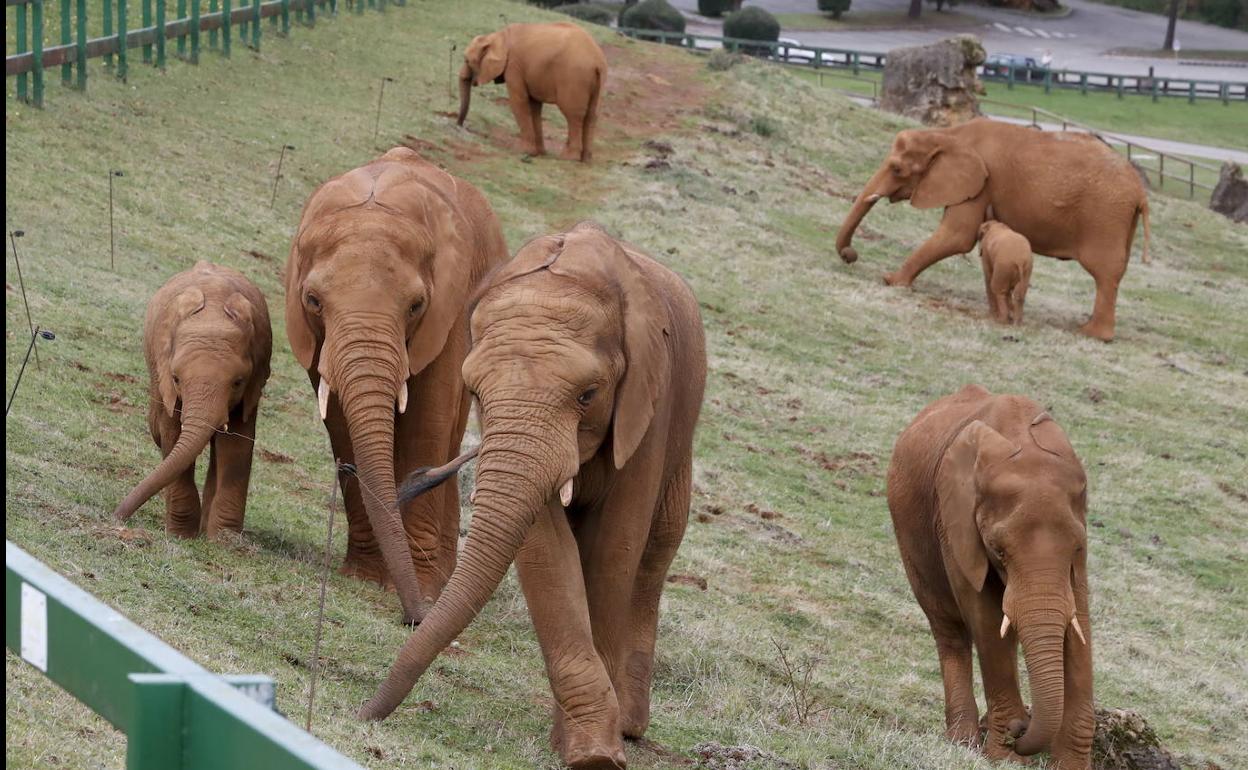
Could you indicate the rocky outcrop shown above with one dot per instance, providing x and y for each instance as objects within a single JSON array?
[
  {"x": 936, "y": 83},
  {"x": 1230, "y": 196}
]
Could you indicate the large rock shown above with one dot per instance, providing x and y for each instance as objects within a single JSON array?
[
  {"x": 935, "y": 83},
  {"x": 1124, "y": 741},
  {"x": 1230, "y": 197}
]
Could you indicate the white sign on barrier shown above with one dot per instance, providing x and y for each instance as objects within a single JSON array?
[{"x": 35, "y": 627}]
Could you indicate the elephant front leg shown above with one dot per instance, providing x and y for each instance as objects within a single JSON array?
[
  {"x": 955, "y": 235},
  {"x": 518, "y": 99},
  {"x": 998, "y": 665},
  {"x": 586, "y": 730},
  {"x": 1072, "y": 746},
  {"x": 231, "y": 458}
]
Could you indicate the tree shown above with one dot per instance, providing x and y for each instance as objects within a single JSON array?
[
  {"x": 1174, "y": 16},
  {"x": 916, "y": 6}
]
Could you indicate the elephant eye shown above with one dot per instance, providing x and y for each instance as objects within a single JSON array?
[
  {"x": 177, "y": 380},
  {"x": 313, "y": 302},
  {"x": 416, "y": 306},
  {"x": 587, "y": 397},
  {"x": 238, "y": 383}
]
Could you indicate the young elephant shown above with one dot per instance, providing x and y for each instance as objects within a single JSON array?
[
  {"x": 1007, "y": 270},
  {"x": 541, "y": 64},
  {"x": 207, "y": 342},
  {"x": 989, "y": 506},
  {"x": 377, "y": 285},
  {"x": 589, "y": 363}
]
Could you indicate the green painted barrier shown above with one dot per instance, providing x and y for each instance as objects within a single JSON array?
[{"x": 176, "y": 714}]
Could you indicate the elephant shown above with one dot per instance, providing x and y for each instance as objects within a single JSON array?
[
  {"x": 1069, "y": 194},
  {"x": 1006, "y": 257},
  {"x": 989, "y": 506},
  {"x": 556, "y": 64},
  {"x": 207, "y": 342},
  {"x": 588, "y": 363},
  {"x": 379, "y": 274}
]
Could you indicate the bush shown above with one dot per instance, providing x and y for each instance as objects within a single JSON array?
[
  {"x": 715, "y": 8},
  {"x": 834, "y": 7},
  {"x": 546, "y": 3},
  {"x": 721, "y": 59},
  {"x": 753, "y": 24},
  {"x": 654, "y": 14},
  {"x": 594, "y": 14}
]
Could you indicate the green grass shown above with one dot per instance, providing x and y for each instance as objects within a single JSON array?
[
  {"x": 876, "y": 20},
  {"x": 808, "y": 356},
  {"x": 1221, "y": 12},
  {"x": 1186, "y": 53}
]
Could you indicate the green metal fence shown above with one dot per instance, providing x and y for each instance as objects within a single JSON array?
[
  {"x": 161, "y": 22},
  {"x": 844, "y": 58},
  {"x": 176, "y": 715}
]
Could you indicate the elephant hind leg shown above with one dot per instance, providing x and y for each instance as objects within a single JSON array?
[{"x": 953, "y": 647}]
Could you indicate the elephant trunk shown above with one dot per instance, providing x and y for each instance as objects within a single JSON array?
[
  {"x": 204, "y": 408},
  {"x": 1042, "y": 633},
  {"x": 465, "y": 93},
  {"x": 516, "y": 479},
  {"x": 862, "y": 204},
  {"x": 367, "y": 370}
]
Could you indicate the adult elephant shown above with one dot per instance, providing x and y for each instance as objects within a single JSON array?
[
  {"x": 556, "y": 64},
  {"x": 589, "y": 363},
  {"x": 989, "y": 505},
  {"x": 1069, "y": 194},
  {"x": 377, "y": 283}
]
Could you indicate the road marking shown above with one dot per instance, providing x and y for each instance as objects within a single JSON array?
[
  {"x": 1003, "y": 27},
  {"x": 1040, "y": 32},
  {"x": 1025, "y": 31}
]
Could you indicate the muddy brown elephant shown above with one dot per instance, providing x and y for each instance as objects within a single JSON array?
[
  {"x": 207, "y": 342},
  {"x": 1069, "y": 194},
  {"x": 589, "y": 363},
  {"x": 556, "y": 64},
  {"x": 989, "y": 505},
  {"x": 1006, "y": 259},
  {"x": 377, "y": 282}
]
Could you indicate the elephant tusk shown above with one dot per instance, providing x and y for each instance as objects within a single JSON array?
[
  {"x": 322, "y": 397},
  {"x": 472, "y": 497},
  {"x": 873, "y": 197},
  {"x": 1005, "y": 625},
  {"x": 1074, "y": 623},
  {"x": 403, "y": 397},
  {"x": 225, "y": 427},
  {"x": 565, "y": 493}
]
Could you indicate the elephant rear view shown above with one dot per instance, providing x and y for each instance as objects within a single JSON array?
[
  {"x": 989, "y": 506},
  {"x": 207, "y": 341},
  {"x": 556, "y": 64},
  {"x": 379, "y": 274}
]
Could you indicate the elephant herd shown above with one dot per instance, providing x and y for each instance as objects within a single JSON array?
[{"x": 587, "y": 361}]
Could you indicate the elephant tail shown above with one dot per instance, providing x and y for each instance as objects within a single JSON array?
[{"x": 1148, "y": 233}]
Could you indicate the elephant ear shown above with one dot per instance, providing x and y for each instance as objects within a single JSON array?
[
  {"x": 491, "y": 58},
  {"x": 449, "y": 282},
  {"x": 957, "y": 495},
  {"x": 184, "y": 305},
  {"x": 298, "y": 330},
  {"x": 954, "y": 174},
  {"x": 648, "y": 361},
  {"x": 255, "y": 321}
]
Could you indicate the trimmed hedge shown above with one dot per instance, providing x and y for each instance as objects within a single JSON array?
[
  {"x": 753, "y": 23},
  {"x": 594, "y": 14},
  {"x": 654, "y": 14},
  {"x": 714, "y": 8},
  {"x": 834, "y": 7}
]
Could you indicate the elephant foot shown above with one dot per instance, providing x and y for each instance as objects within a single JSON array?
[
  {"x": 570, "y": 154},
  {"x": 367, "y": 569},
  {"x": 586, "y": 746},
  {"x": 897, "y": 279},
  {"x": 1097, "y": 331}
]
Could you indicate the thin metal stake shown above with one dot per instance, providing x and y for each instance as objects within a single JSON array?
[
  {"x": 13, "y": 236},
  {"x": 278, "y": 176},
  {"x": 377, "y": 124},
  {"x": 112, "y": 241},
  {"x": 450, "y": 75},
  {"x": 320, "y": 612},
  {"x": 38, "y": 333}
]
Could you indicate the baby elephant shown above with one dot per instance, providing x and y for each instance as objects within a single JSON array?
[
  {"x": 207, "y": 342},
  {"x": 1007, "y": 270},
  {"x": 989, "y": 506}
]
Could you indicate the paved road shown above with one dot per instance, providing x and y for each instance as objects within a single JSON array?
[{"x": 1078, "y": 42}]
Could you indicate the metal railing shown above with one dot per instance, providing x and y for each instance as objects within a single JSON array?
[
  {"x": 176, "y": 715},
  {"x": 818, "y": 57}
]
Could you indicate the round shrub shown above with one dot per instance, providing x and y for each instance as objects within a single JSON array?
[
  {"x": 656, "y": 15},
  {"x": 834, "y": 7},
  {"x": 753, "y": 23},
  {"x": 594, "y": 14},
  {"x": 714, "y": 8}
]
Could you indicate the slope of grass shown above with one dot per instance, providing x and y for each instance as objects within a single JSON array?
[{"x": 815, "y": 368}]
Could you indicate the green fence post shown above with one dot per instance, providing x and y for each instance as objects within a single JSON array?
[
  {"x": 1120, "y": 79},
  {"x": 1083, "y": 83},
  {"x": 226, "y": 12},
  {"x": 242, "y": 25},
  {"x": 285, "y": 17},
  {"x": 123, "y": 39},
  {"x": 1155, "y": 95},
  {"x": 195, "y": 31},
  {"x": 182, "y": 37},
  {"x": 67, "y": 69},
  {"x": 1191, "y": 92},
  {"x": 147, "y": 22},
  {"x": 309, "y": 12},
  {"x": 1009, "y": 83},
  {"x": 160, "y": 34},
  {"x": 22, "y": 84},
  {"x": 1048, "y": 81},
  {"x": 36, "y": 49},
  {"x": 359, "y": 7},
  {"x": 106, "y": 11},
  {"x": 856, "y": 63},
  {"x": 82, "y": 45},
  {"x": 255, "y": 25},
  {"x": 156, "y": 723},
  {"x": 1225, "y": 92},
  {"x": 212, "y": 33}
]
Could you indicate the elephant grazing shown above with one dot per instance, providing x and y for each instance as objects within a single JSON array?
[
  {"x": 377, "y": 283},
  {"x": 207, "y": 342},
  {"x": 1069, "y": 194},
  {"x": 556, "y": 64},
  {"x": 589, "y": 362},
  {"x": 989, "y": 505}
]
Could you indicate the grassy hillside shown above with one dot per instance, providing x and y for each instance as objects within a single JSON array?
[{"x": 815, "y": 368}]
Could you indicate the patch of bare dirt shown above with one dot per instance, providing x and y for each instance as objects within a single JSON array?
[
  {"x": 688, "y": 580},
  {"x": 648, "y": 93},
  {"x": 716, "y": 756},
  {"x": 276, "y": 457}
]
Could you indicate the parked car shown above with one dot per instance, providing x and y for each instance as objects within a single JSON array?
[{"x": 999, "y": 65}]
